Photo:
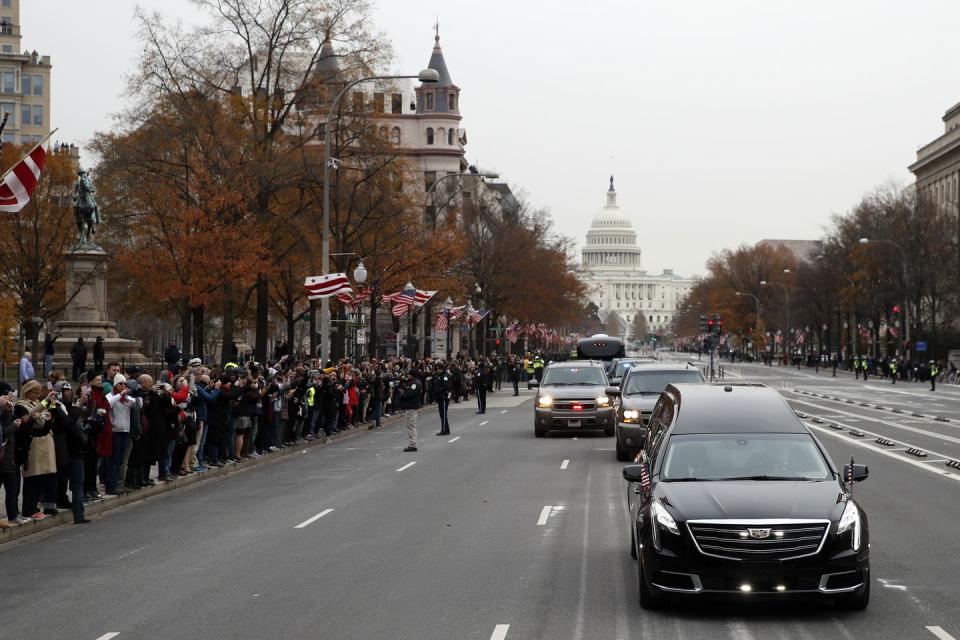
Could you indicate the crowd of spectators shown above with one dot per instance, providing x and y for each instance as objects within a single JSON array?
[{"x": 113, "y": 432}]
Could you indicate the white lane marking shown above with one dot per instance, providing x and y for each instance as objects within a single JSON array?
[
  {"x": 504, "y": 411},
  {"x": 889, "y": 423},
  {"x": 484, "y": 422},
  {"x": 406, "y": 466},
  {"x": 883, "y": 452},
  {"x": 940, "y": 633},
  {"x": 891, "y": 584},
  {"x": 310, "y": 521},
  {"x": 544, "y": 514},
  {"x": 575, "y": 438},
  {"x": 564, "y": 464},
  {"x": 451, "y": 440},
  {"x": 114, "y": 634},
  {"x": 500, "y": 632},
  {"x": 130, "y": 553}
]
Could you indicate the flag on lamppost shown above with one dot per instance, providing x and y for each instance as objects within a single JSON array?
[{"x": 319, "y": 287}]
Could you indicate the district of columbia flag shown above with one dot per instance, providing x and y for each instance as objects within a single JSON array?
[
  {"x": 319, "y": 287},
  {"x": 20, "y": 182}
]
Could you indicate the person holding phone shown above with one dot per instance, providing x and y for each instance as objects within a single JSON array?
[{"x": 35, "y": 451}]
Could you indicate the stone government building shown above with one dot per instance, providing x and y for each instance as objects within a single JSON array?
[{"x": 615, "y": 280}]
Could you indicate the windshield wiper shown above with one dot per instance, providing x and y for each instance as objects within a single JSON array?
[
  {"x": 766, "y": 477},
  {"x": 686, "y": 479},
  {"x": 643, "y": 393}
]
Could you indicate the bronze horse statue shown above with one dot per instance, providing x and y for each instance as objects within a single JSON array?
[{"x": 85, "y": 208}]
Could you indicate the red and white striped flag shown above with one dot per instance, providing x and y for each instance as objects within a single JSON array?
[
  {"x": 354, "y": 301},
  {"x": 800, "y": 337},
  {"x": 319, "y": 287},
  {"x": 21, "y": 180}
]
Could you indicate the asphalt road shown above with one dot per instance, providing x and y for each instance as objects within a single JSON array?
[{"x": 492, "y": 533}]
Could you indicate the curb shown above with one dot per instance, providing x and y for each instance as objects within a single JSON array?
[{"x": 106, "y": 505}]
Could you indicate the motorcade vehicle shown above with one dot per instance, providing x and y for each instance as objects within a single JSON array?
[
  {"x": 737, "y": 497},
  {"x": 572, "y": 397},
  {"x": 600, "y": 347},
  {"x": 618, "y": 366},
  {"x": 638, "y": 394}
]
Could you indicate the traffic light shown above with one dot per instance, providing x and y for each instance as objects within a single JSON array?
[
  {"x": 896, "y": 309},
  {"x": 498, "y": 342},
  {"x": 703, "y": 324},
  {"x": 711, "y": 321},
  {"x": 719, "y": 325}
]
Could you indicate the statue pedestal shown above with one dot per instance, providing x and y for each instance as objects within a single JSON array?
[{"x": 86, "y": 316}]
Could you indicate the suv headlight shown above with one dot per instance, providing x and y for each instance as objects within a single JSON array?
[
  {"x": 603, "y": 401},
  {"x": 850, "y": 521},
  {"x": 544, "y": 401},
  {"x": 631, "y": 415},
  {"x": 663, "y": 518}
]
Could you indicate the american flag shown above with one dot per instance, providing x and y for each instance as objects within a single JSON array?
[
  {"x": 21, "y": 180},
  {"x": 864, "y": 332},
  {"x": 402, "y": 302},
  {"x": 894, "y": 332},
  {"x": 511, "y": 333},
  {"x": 319, "y": 287},
  {"x": 850, "y": 473},
  {"x": 476, "y": 315},
  {"x": 644, "y": 463},
  {"x": 354, "y": 301},
  {"x": 800, "y": 337},
  {"x": 445, "y": 316}
]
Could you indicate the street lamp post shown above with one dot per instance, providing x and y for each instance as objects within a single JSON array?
[
  {"x": 425, "y": 76},
  {"x": 447, "y": 311},
  {"x": 757, "y": 331},
  {"x": 479, "y": 329},
  {"x": 906, "y": 301},
  {"x": 410, "y": 291},
  {"x": 786, "y": 329}
]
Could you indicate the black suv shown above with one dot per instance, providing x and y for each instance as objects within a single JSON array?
[
  {"x": 572, "y": 397},
  {"x": 738, "y": 497}
]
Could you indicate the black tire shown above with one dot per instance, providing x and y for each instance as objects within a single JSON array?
[
  {"x": 539, "y": 431},
  {"x": 622, "y": 454},
  {"x": 649, "y": 598},
  {"x": 856, "y": 601},
  {"x": 633, "y": 542}
]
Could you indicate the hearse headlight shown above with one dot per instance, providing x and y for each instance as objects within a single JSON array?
[
  {"x": 603, "y": 401},
  {"x": 631, "y": 415},
  {"x": 663, "y": 518},
  {"x": 544, "y": 401},
  {"x": 850, "y": 521}
]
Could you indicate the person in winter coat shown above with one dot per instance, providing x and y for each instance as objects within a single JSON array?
[
  {"x": 68, "y": 419},
  {"x": 36, "y": 453},
  {"x": 409, "y": 403},
  {"x": 98, "y": 355},
  {"x": 9, "y": 470},
  {"x": 78, "y": 354}
]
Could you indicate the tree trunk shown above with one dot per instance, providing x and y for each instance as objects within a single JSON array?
[
  {"x": 290, "y": 308},
  {"x": 373, "y": 340},
  {"x": 263, "y": 319},
  {"x": 198, "y": 337},
  {"x": 226, "y": 340},
  {"x": 186, "y": 332}
]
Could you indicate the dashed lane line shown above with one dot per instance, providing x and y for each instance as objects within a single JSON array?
[
  {"x": 303, "y": 524},
  {"x": 940, "y": 633},
  {"x": 484, "y": 422},
  {"x": 544, "y": 514},
  {"x": 500, "y": 632},
  {"x": 564, "y": 464},
  {"x": 452, "y": 440},
  {"x": 504, "y": 411},
  {"x": 406, "y": 466},
  {"x": 114, "y": 634}
]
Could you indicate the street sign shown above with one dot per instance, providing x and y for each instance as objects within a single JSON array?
[
  {"x": 361, "y": 336},
  {"x": 921, "y": 346}
]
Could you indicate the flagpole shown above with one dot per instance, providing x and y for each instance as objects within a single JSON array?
[{"x": 32, "y": 149}]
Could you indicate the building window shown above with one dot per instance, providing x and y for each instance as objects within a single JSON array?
[
  {"x": 651, "y": 318},
  {"x": 9, "y": 82},
  {"x": 441, "y": 135},
  {"x": 8, "y": 137},
  {"x": 26, "y": 117},
  {"x": 452, "y": 102},
  {"x": 429, "y": 102},
  {"x": 8, "y": 48},
  {"x": 9, "y": 107},
  {"x": 7, "y": 3},
  {"x": 26, "y": 84},
  {"x": 357, "y": 102},
  {"x": 429, "y": 135},
  {"x": 450, "y": 137},
  {"x": 378, "y": 103},
  {"x": 395, "y": 135},
  {"x": 429, "y": 177},
  {"x": 396, "y": 103},
  {"x": 37, "y": 114}
]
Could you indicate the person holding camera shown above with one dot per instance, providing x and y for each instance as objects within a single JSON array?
[
  {"x": 35, "y": 450},
  {"x": 69, "y": 420},
  {"x": 121, "y": 406},
  {"x": 9, "y": 470}
]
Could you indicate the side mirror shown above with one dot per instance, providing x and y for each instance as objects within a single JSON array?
[
  {"x": 633, "y": 472},
  {"x": 533, "y": 384},
  {"x": 612, "y": 392},
  {"x": 860, "y": 472}
]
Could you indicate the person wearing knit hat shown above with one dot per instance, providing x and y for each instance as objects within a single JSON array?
[{"x": 121, "y": 405}]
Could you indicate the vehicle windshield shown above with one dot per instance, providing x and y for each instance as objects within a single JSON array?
[
  {"x": 622, "y": 367},
  {"x": 656, "y": 381},
  {"x": 753, "y": 456},
  {"x": 574, "y": 375}
]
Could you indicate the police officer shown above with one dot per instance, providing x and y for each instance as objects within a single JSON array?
[
  {"x": 865, "y": 365},
  {"x": 409, "y": 403},
  {"x": 934, "y": 372},
  {"x": 538, "y": 368},
  {"x": 442, "y": 385},
  {"x": 856, "y": 366},
  {"x": 482, "y": 381},
  {"x": 893, "y": 371},
  {"x": 515, "y": 374}
]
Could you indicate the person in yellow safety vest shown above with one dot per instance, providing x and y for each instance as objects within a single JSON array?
[
  {"x": 528, "y": 366},
  {"x": 865, "y": 365},
  {"x": 893, "y": 371},
  {"x": 312, "y": 406},
  {"x": 934, "y": 372},
  {"x": 538, "y": 368}
]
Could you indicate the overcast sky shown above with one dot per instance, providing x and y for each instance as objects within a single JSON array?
[{"x": 723, "y": 122}]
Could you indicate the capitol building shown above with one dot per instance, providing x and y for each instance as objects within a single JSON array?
[{"x": 614, "y": 277}]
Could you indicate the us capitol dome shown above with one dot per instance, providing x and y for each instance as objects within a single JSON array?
[{"x": 614, "y": 277}]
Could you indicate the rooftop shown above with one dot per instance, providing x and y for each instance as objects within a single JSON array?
[{"x": 745, "y": 408}]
